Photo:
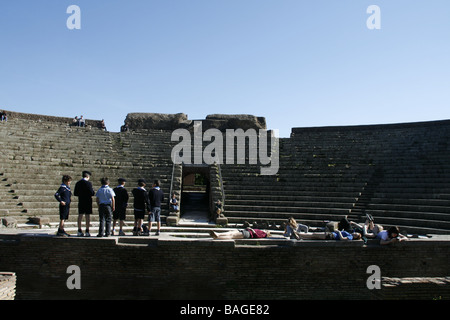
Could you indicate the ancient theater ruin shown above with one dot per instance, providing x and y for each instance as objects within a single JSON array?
[{"x": 396, "y": 174}]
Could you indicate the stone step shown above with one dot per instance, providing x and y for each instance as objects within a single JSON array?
[
  {"x": 405, "y": 189},
  {"x": 53, "y": 216},
  {"x": 413, "y": 222},
  {"x": 291, "y": 197},
  {"x": 410, "y": 208},
  {"x": 423, "y": 215},
  {"x": 260, "y": 203},
  {"x": 284, "y": 215}
]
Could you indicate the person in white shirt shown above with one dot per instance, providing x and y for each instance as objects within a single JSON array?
[
  {"x": 391, "y": 235},
  {"x": 106, "y": 205}
]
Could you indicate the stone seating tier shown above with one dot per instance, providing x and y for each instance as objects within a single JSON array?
[
  {"x": 412, "y": 161},
  {"x": 37, "y": 153}
]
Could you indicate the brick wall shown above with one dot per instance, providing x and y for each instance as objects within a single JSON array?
[{"x": 141, "y": 268}]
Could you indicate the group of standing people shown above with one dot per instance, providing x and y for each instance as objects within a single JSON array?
[
  {"x": 147, "y": 202},
  {"x": 112, "y": 205}
]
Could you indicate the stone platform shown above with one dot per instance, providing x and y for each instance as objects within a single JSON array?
[{"x": 185, "y": 263}]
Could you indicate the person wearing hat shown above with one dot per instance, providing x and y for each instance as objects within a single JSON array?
[
  {"x": 84, "y": 192},
  {"x": 141, "y": 205},
  {"x": 121, "y": 206}
]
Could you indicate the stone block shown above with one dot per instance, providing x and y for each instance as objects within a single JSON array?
[
  {"x": 157, "y": 121},
  {"x": 9, "y": 222},
  {"x": 39, "y": 221},
  {"x": 173, "y": 218},
  {"x": 222, "y": 221},
  {"x": 234, "y": 121}
]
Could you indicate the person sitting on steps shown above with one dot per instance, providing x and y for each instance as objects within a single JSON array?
[
  {"x": 391, "y": 236},
  {"x": 218, "y": 210},
  {"x": 293, "y": 227},
  {"x": 174, "y": 204}
]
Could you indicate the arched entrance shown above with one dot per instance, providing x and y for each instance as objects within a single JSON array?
[{"x": 195, "y": 194}]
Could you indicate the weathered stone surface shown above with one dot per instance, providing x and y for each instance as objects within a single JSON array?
[
  {"x": 163, "y": 121},
  {"x": 39, "y": 221},
  {"x": 331, "y": 226},
  {"x": 234, "y": 121},
  {"x": 9, "y": 222},
  {"x": 7, "y": 286},
  {"x": 157, "y": 121},
  {"x": 46, "y": 118},
  {"x": 222, "y": 221}
]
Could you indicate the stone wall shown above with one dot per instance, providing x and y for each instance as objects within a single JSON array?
[
  {"x": 38, "y": 117},
  {"x": 7, "y": 285},
  {"x": 429, "y": 288},
  {"x": 406, "y": 125},
  {"x": 176, "y": 268}
]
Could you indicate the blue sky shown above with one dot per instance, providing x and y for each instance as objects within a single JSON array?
[{"x": 299, "y": 63}]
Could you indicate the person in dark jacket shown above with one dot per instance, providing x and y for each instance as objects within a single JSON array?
[
  {"x": 84, "y": 192},
  {"x": 121, "y": 205},
  {"x": 63, "y": 196},
  {"x": 156, "y": 196},
  {"x": 141, "y": 205}
]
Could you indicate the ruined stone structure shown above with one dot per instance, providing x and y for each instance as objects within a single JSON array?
[
  {"x": 397, "y": 173},
  {"x": 7, "y": 286},
  {"x": 162, "y": 121},
  {"x": 400, "y": 174}
]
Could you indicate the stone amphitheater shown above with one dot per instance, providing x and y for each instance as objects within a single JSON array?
[{"x": 398, "y": 173}]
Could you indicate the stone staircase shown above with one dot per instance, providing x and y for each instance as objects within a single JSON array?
[
  {"x": 363, "y": 201},
  {"x": 311, "y": 192},
  {"x": 397, "y": 173},
  {"x": 409, "y": 184},
  {"x": 37, "y": 153}
]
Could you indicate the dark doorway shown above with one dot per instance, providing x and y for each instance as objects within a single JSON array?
[{"x": 195, "y": 194}]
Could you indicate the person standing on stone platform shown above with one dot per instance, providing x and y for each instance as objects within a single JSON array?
[
  {"x": 84, "y": 192},
  {"x": 106, "y": 206},
  {"x": 141, "y": 205},
  {"x": 121, "y": 205},
  {"x": 64, "y": 195},
  {"x": 156, "y": 196}
]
